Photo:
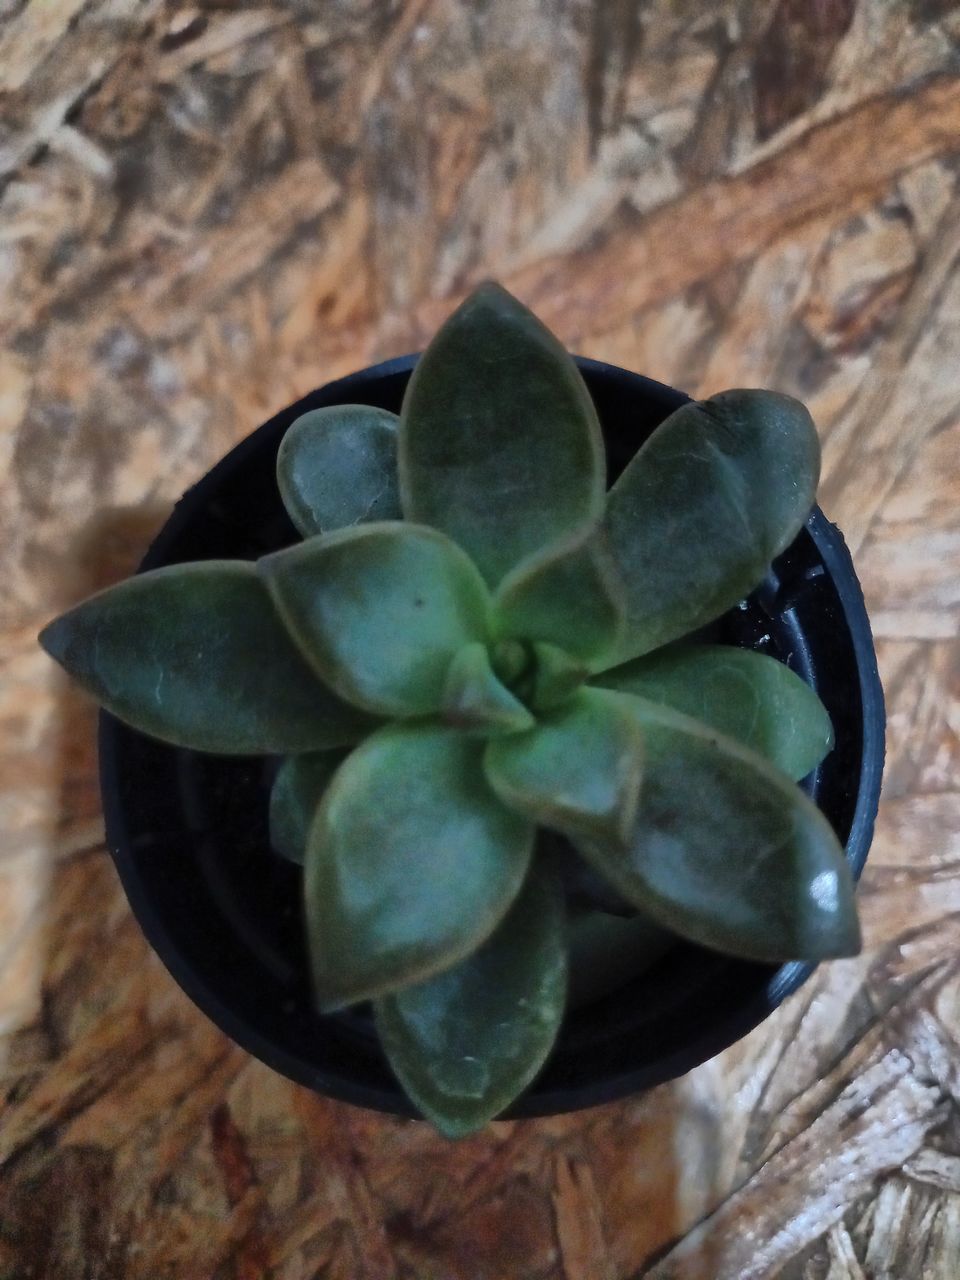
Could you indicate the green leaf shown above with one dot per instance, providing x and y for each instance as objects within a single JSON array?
[
  {"x": 747, "y": 696},
  {"x": 727, "y": 851},
  {"x": 466, "y": 1043},
  {"x": 338, "y": 466},
  {"x": 499, "y": 442},
  {"x": 474, "y": 700},
  {"x": 608, "y": 951},
  {"x": 196, "y": 655},
  {"x": 380, "y": 610},
  {"x": 567, "y": 595},
  {"x": 579, "y": 771},
  {"x": 556, "y": 676},
  {"x": 718, "y": 491},
  {"x": 294, "y": 798},
  {"x": 411, "y": 865}
]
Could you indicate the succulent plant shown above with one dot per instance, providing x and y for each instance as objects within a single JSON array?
[{"x": 476, "y": 643}]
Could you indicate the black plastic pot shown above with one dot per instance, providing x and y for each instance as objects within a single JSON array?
[{"x": 188, "y": 832}]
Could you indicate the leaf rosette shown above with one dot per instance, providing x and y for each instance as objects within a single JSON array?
[{"x": 475, "y": 642}]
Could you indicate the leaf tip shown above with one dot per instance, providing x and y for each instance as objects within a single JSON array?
[
  {"x": 54, "y": 639},
  {"x": 331, "y": 998},
  {"x": 329, "y": 1006},
  {"x": 490, "y": 290},
  {"x": 456, "y": 1130},
  {"x": 491, "y": 296},
  {"x": 474, "y": 699},
  {"x": 845, "y": 938}
]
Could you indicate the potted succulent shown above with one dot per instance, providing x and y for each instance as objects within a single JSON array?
[{"x": 508, "y": 740}]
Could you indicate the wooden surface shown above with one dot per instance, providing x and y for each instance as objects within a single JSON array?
[{"x": 206, "y": 210}]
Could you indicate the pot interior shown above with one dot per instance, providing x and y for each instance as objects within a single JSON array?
[{"x": 189, "y": 831}]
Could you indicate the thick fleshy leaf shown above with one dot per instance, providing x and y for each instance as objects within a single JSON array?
[
  {"x": 608, "y": 951},
  {"x": 578, "y": 771},
  {"x": 568, "y": 595},
  {"x": 337, "y": 466},
  {"x": 475, "y": 701},
  {"x": 466, "y": 1043},
  {"x": 747, "y": 696},
  {"x": 295, "y": 797},
  {"x": 719, "y": 490},
  {"x": 499, "y": 442},
  {"x": 412, "y": 863},
  {"x": 556, "y": 675},
  {"x": 380, "y": 610},
  {"x": 727, "y": 851},
  {"x": 196, "y": 655}
]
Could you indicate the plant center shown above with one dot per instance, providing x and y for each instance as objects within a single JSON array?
[
  {"x": 513, "y": 664},
  {"x": 540, "y": 675}
]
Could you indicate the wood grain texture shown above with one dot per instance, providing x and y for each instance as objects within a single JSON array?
[{"x": 206, "y": 210}]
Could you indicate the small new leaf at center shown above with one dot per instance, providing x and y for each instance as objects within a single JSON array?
[{"x": 475, "y": 701}]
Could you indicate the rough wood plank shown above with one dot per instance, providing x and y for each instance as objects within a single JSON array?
[
  {"x": 207, "y": 210},
  {"x": 877, "y": 1123},
  {"x": 847, "y": 162}
]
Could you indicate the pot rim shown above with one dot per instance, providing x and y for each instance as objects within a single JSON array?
[{"x": 707, "y": 1041}]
